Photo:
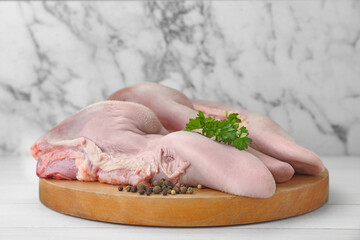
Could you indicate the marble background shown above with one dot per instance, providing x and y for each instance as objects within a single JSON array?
[{"x": 295, "y": 61}]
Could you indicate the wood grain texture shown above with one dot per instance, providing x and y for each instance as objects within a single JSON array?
[{"x": 206, "y": 207}]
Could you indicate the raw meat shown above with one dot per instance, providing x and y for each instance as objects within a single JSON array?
[
  {"x": 171, "y": 106},
  {"x": 124, "y": 143},
  {"x": 269, "y": 138},
  {"x": 87, "y": 140},
  {"x": 272, "y": 144}
]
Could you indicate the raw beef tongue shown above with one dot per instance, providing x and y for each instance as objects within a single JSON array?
[
  {"x": 220, "y": 166},
  {"x": 269, "y": 138},
  {"x": 272, "y": 144},
  {"x": 105, "y": 141},
  {"x": 124, "y": 143},
  {"x": 172, "y": 107}
]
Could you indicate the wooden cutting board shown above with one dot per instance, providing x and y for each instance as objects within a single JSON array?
[{"x": 206, "y": 207}]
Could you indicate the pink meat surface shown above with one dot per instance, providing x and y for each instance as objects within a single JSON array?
[
  {"x": 271, "y": 144},
  {"x": 101, "y": 139},
  {"x": 269, "y": 138},
  {"x": 172, "y": 107},
  {"x": 119, "y": 142}
]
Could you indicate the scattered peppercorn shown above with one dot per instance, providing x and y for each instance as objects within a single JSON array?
[
  {"x": 167, "y": 183},
  {"x": 157, "y": 189},
  {"x": 134, "y": 189},
  {"x": 141, "y": 186},
  {"x": 160, "y": 186},
  {"x": 148, "y": 191},
  {"x": 165, "y": 191},
  {"x": 157, "y": 183},
  {"x": 190, "y": 190},
  {"x": 183, "y": 190}
]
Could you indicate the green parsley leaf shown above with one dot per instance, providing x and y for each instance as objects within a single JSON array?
[{"x": 226, "y": 131}]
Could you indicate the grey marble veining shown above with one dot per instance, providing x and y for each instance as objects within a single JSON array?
[{"x": 295, "y": 61}]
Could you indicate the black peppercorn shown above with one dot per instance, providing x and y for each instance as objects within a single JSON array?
[
  {"x": 148, "y": 191},
  {"x": 157, "y": 189},
  {"x": 167, "y": 183},
  {"x": 141, "y": 186},
  {"x": 157, "y": 183},
  {"x": 134, "y": 189},
  {"x": 165, "y": 192}
]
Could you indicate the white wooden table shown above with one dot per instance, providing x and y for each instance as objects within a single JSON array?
[{"x": 22, "y": 216}]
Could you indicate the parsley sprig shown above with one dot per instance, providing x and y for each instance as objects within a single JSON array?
[{"x": 226, "y": 131}]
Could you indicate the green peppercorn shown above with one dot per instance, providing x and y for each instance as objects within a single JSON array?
[
  {"x": 157, "y": 189},
  {"x": 120, "y": 188},
  {"x": 134, "y": 189},
  {"x": 128, "y": 188},
  {"x": 199, "y": 186},
  {"x": 177, "y": 190},
  {"x": 142, "y": 191},
  {"x": 190, "y": 190},
  {"x": 183, "y": 190}
]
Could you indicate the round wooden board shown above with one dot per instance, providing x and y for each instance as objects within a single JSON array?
[{"x": 206, "y": 207}]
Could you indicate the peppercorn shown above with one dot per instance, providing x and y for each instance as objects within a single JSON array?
[
  {"x": 157, "y": 183},
  {"x": 177, "y": 190},
  {"x": 142, "y": 191},
  {"x": 128, "y": 188},
  {"x": 169, "y": 190},
  {"x": 164, "y": 192},
  {"x": 190, "y": 190},
  {"x": 141, "y": 186},
  {"x": 148, "y": 191},
  {"x": 167, "y": 183},
  {"x": 120, "y": 188},
  {"x": 157, "y": 189},
  {"x": 134, "y": 189},
  {"x": 183, "y": 190},
  {"x": 199, "y": 186},
  {"x": 173, "y": 192}
]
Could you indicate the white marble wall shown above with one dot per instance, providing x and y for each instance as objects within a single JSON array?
[{"x": 296, "y": 61}]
